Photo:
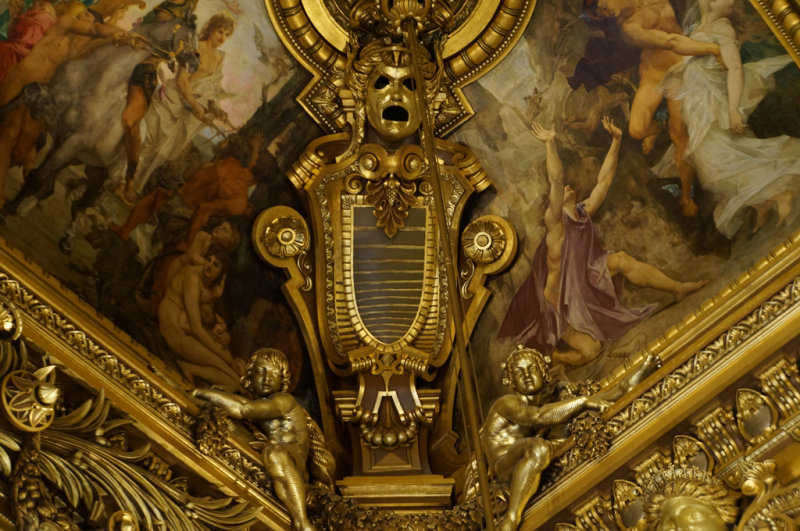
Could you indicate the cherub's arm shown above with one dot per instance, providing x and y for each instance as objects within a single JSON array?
[
  {"x": 606, "y": 174},
  {"x": 550, "y": 414},
  {"x": 238, "y": 407},
  {"x": 231, "y": 403}
]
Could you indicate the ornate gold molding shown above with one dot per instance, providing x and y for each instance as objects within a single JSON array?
[
  {"x": 317, "y": 32},
  {"x": 731, "y": 451},
  {"x": 105, "y": 358},
  {"x": 783, "y": 18},
  {"x": 670, "y": 394}
]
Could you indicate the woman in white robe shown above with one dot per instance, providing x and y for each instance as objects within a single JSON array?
[
  {"x": 170, "y": 122},
  {"x": 737, "y": 168}
]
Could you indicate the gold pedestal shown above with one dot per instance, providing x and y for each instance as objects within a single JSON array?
[{"x": 402, "y": 494}]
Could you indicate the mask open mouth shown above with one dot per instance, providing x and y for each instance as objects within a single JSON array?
[{"x": 395, "y": 113}]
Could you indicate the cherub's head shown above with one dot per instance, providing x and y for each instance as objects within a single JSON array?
[
  {"x": 687, "y": 498},
  {"x": 526, "y": 370},
  {"x": 267, "y": 372}
]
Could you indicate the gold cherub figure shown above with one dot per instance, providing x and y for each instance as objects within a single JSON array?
[{"x": 294, "y": 441}]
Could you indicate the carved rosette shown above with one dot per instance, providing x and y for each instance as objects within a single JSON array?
[
  {"x": 281, "y": 238},
  {"x": 286, "y": 237},
  {"x": 489, "y": 244},
  {"x": 483, "y": 241}
]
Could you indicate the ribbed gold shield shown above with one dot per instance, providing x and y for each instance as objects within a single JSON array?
[{"x": 390, "y": 283}]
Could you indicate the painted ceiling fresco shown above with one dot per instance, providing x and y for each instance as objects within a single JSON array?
[
  {"x": 163, "y": 248},
  {"x": 121, "y": 253},
  {"x": 568, "y": 72}
]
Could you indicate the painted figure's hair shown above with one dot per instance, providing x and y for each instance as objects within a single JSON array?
[
  {"x": 542, "y": 363},
  {"x": 222, "y": 255},
  {"x": 220, "y": 20},
  {"x": 267, "y": 355}
]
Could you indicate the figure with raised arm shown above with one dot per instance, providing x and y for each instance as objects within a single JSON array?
[
  {"x": 294, "y": 441},
  {"x": 141, "y": 87},
  {"x": 572, "y": 293}
]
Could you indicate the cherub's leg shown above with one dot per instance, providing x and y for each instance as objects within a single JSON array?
[
  {"x": 525, "y": 480},
  {"x": 289, "y": 484},
  {"x": 647, "y": 276},
  {"x": 680, "y": 139},
  {"x": 585, "y": 348}
]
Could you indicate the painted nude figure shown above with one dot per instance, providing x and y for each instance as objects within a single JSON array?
[
  {"x": 651, "y": 25},
  {"x": 199, "y": 353},
  {"x": 572, "y": 294},
  {"x": 294, "y": 439},
  {"x": 510, "y": 435}
]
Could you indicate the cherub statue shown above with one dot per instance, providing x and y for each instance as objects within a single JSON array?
[
  {"x": 511, "y": 435},
  {"x": 294, "y": 441}
]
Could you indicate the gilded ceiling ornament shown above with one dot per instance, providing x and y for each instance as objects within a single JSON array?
[
  {"x": 483, "y": 241},
  {"x": 29, "y": 398},
  {"x": 10, "y": 321},
  {"x": 392, "y": 197},
  {"x": 293, "y": 445},
  {"x": 318, "y": 33},
  {"x": 286, "y": 237}
]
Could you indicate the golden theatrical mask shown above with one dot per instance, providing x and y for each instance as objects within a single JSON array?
[
  {"x": 294, "y": 441},
  {"x": 390, "y": 98}
]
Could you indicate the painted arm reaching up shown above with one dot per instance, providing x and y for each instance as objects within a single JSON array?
[
  {"x": 553, "y": 215},
  {"x": 606, "y": 174}
]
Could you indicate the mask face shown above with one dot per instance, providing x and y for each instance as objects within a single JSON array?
[{"x": 391, "y": 110}]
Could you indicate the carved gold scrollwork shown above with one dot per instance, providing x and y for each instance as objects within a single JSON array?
[
  {"x": 628, "y": 505},
  {"x": 281, "y": 238},
  {"x": 756, "y": 415},
  {"x": 392, "y": 197},
  {"x": 10, "y": 321}
]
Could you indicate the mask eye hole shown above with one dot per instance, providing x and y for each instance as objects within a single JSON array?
[
  {"x": 409, "y": 83},
  {"x": 381, "y": 82}
]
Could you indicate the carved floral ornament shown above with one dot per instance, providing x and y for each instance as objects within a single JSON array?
[{"x": 71, "y": 465}]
